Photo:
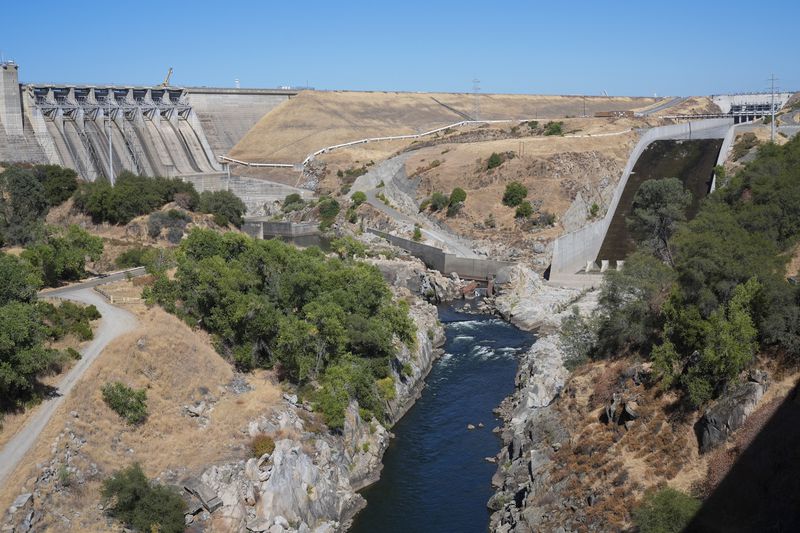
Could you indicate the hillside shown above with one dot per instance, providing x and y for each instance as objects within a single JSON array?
[{"x": 313, "y": 119}]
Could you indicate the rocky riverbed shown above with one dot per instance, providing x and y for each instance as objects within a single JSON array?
[{"x": 532, "y": 429}]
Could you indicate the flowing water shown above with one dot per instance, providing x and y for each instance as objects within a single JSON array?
[{"x": 435, "y": 477}]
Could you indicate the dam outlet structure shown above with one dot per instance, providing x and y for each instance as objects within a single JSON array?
[{"x": 102, "y": 130}]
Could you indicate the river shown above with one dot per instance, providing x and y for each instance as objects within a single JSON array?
[{"x": 435, "y": 477}]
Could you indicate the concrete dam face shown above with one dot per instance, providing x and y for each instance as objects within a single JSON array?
[{"x": 103, "y": 130}]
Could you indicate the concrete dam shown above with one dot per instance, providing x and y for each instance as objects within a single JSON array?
[{"x": 102, "y": 130}]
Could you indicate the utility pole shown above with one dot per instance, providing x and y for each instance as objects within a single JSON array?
[
  {"x": 772, "y": 79},
  {"x": 584, "y": 105}
]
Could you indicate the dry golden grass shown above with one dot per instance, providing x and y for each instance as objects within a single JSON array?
[
  {"x": 177, "y": 366},
  {"x": 314, "y": 120}
]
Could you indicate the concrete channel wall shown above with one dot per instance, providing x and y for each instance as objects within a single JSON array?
[
  {"x": 572, "y": 251},
  {"x": 445, "y": 263},
  {"x": 261, "y": 227}
]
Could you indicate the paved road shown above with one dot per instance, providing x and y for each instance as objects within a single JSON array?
[
  {"x": 665, "y": 105},
  {"x": 113, "y": 323},
  {"x": 385, "y": 173}
]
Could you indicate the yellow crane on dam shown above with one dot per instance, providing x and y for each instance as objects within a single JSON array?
[{"x": 165, "y": 83}]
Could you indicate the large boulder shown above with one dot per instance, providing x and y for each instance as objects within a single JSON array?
[{"x": 729, "y": 412}]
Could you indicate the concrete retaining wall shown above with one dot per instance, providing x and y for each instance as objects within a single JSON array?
[
  {"x": 260, "y": 228},
  {"x": 445, "y": 263},
  {"x": 572, "y": 251}
]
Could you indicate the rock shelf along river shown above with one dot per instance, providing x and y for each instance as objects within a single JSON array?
[{"x": 435, "y": 476}]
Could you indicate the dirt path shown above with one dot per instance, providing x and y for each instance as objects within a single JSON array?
[{"x": 114, "y": 322}]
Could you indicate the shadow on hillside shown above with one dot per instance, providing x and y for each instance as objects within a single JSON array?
[{"x": 761, "y": 493}]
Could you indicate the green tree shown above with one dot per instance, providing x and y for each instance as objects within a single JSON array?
[
  {"x": 554, "y": 128},
  {"x": 145, "y": 506},
  {"x": 514, "y": 194},
  {"x": 224, "y": 205},
  {"x": 438, "y": 201},
  {"x": 22, "y": 354},
  {"x": 658, "y": 207},
  {"x": 458, "y": 195},
  {"x": 524, "y": 210},
  {"x": 59, "y": 182},
  {"x": 18, "y": 281},
  {"x": 630, "y": 304},
  {"x": 129, "y": 403},
  {"x": 494, "y": 161},
  {"x": 23, "y": 204},
  {"x": 665, "y": 511},
  {"x": 63, "y": 256},
  {"x": 358, "y": 198}
]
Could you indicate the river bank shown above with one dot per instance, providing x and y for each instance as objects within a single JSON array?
[{"x": 436, "y": 476}]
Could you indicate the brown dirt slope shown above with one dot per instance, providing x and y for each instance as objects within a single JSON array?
[
  {"x": 178, "y": 367},
  {"x": 313, "y": 120}
]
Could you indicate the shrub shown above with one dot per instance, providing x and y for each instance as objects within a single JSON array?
[
  {"x": 348, "y": 247},
  {"x": 130, "y": 404},
  {"x": 358, "y": 198},
  {"x": 524, "y": 210},
  {"x": 514, "y": 194},
  {"x": 577, "y": 339},
  {"x": 224, "y": 205},
  {"x": 261, "y": 444},
  {"x": 62, "y": 255},
  {"x": 386, "y": 388},
  {"x": 665, "y": 511},
  {"x": 594, "y": 210},
  {"x": 554, "y": 128},
  {"x": 132, "y": 499},
  {"x": 130, "y": 197},
  {"x": 494, "y": 161},
  {"x": 328, "y": 209},
  {"x": 438, "y": 201},
  {"x": 458, "y": 196},
  {"x": 59, "y": 182},
  {"x": 546, "y": 218},
  {"x": 417, "y": 236},
  {"x": 293, "y": 202},
  {"x": 68, "y": 318},
  {"x": 172, "y": 220}
]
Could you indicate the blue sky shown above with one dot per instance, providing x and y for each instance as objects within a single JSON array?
[{"x": 556, "y": 47}]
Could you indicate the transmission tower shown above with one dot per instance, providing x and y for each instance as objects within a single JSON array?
[
  {"x": 476, "y": 90},
  {"x": 772, "y": 81}
]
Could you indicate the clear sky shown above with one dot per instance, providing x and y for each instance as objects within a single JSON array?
[{"x": 556, "y": 47}]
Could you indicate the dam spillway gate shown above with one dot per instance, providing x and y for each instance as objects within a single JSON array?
[{"x": 101, "y": 131}]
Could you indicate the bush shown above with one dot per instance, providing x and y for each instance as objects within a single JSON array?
[
  {"x": 62, "y": 255},
  {"x": 23, "y": 205},
  {"x": 545, "y": 219},
  {"x": 131, "y": 196},
  {"x": 261, "y": 444},
  {"x": 59, "y": 182},
  {"x": 665, "y": 511},
  {"x": 328, "y": 209},
  {"x": 514, "y": 194},
  {"x": 417, "y": 236},
  {"x": 494, "y": 161},
  {"x": 68, "y": 318},
  {"x": 172, "y": 219},
  {"x": 224, "y": 205},
  {"x": 458, "y": 196},
  {"x": 524, "y": 210},
  {"x": 594, "y": 210},
  {"x": 144, "y": 506},
  {"x": 554, "y": 128},
  {"x": 438, "y": 201},
  {"x": 130, "y": 404},
  {"x": 358, "y": 198}
]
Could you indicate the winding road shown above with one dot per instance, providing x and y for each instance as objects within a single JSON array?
[{"x": 113, "y": 323}]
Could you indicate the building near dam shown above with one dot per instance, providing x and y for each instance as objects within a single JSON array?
[{"x": 101, "y": 130}]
